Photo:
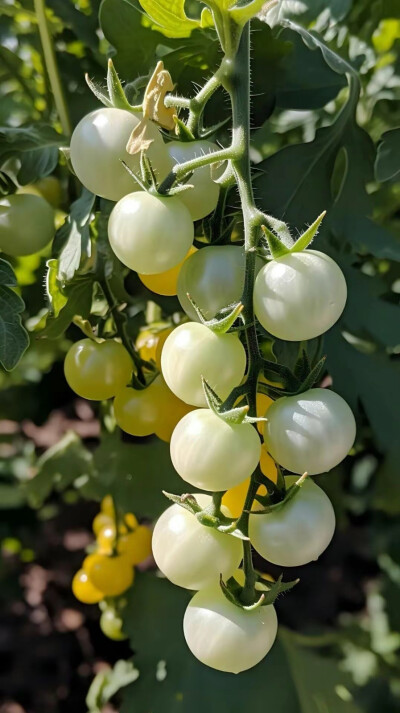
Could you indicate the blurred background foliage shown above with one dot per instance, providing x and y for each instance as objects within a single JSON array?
[{"x": 316, "y": 145}]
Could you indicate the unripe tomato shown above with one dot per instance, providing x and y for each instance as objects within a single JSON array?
[
  {"x": 150, "y": 234},
  {"x": 171, "y": 411},
  {"x": 136, "y": 545},
  {"x": 84, "y": 590},
  {"x": 224, "y": 636},
  {"x": 299, "y": 532},
  {"x": 190, "y": 554},
  {"x": 112, "y": 575},
  {"x": 166, "y": 283},
  {"x": 98, "y": 145},
  {"x": 137, "y": 412},
  {"x": 212, "y": 454},
  {"x": 213, "y": 277},
  {"x": 48, "y": 187},
  {"x": 192, "y": 351},
  {"x": 111, "y": 625},
  {"x": 203, "y": 197},
  {"x": 102, "y": 520},
  {"x": 311, "y": 432},
  {"x": 299, "y": 296},
  {"x": 26, "y": 224},
  {"x": 234, "y": 498},
  {"x": 97, "y": 371}
]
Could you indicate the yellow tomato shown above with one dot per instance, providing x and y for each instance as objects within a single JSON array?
[
  {"x": 235, "y": 497},
  {"x": 150, "y": 343},
  {"x": 106, "y": 539},
  {"x": 267, "y": 465},
  {"x": 131, "y": 520},
  {"x": 84, "y": 590},
  {"x": 171, "y": 411},
  {"x": 111, "y": 575},
  {"x": 162, "y": 338},
  {"x": 136, "y": 545},
  {"x": 101, "y": 520},
  {"x": 165, "y": 283},
  {"x": 263, "y": 402},
  {"x": 48, "y": 188},
  {"x": 107, "y": 505}
]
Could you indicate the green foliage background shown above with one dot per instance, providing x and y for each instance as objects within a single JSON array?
[{"x": 326, "y": 135}]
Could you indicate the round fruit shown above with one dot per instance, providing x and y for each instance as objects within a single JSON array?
[
  {"x": 166, "y": 283},
  {"x": 299, "y": 532},
  {"x": 171, "y": 411},
  {"x": 150, "y": 234},
  {"x": 137, "y": 412},
  {"x": 26, "y": 224},
  {"x": 192, "y": 351},
  {"x": 48, "y": 187},
  {"x": 111, "y": 625},
  {"x": 212, "y": 454},
  {"x": 102, "y": 520},
  {"x": 150, "y": 343},
  {"x": 213, "y": 277},
  {"x": 225, "y": 637},
  {"x": 97, "y": 371},
  {"x": 263, "y": 402},
  {"x": 267, "y": 465},
  {"x": 107, "y": 506},
  {"x": 112, "y": 575},
  {"x": 136, "y": 545},
  {"x": 203, "y": 197},
  {"x": 84, "y": 590},
  {"x": 98, "y": 145},
  {"x": 190, "y": 554},
  {"x": 299, "y": 296},
  {"x": 311, "y": 432},
  {"x": 234, "y": 498}
]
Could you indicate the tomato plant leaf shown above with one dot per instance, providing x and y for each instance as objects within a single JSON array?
[
  {"x": 387, "y": 165},
  {"x": 170, "y": 17},
  {"x": 36, "y": 148},
  {"x": 14, "y": 338},
  {"x": 72, "y": 241}
]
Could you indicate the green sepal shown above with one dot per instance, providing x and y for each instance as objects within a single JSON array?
[
  {"x": 115, "y": 90},
  {"x": 134, "y": 176},
  {"x": 232, "y": 591},
  {"x": 276, "y": 507},
  {"x": 176, "y": 190},
  {"x": 313, "y": 377},
  {"x": 235, "y": 415},
  {"x": 302, "y": 367},
  {"x": 186, "y": 501},
  {"x": 280, "y": 228},
  {"x": 226, "y": 525},
  {"x": 147, "y": 171},
  {"x": 218, "y": 325},
  {"x": 211, "y": 130},
  {"x": 85, "y": 327},
  {"x": 275, "y": 589},
  {"x": 183, "y": 132},
  {"x": 308, "y": 236},
  {"x": 276, "y": 246},
  {"x": 98, "y": 92}
]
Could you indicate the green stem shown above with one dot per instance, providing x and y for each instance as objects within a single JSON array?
[
  {"x": 198, "y": 103},
  {"x": 180, "y": 170},
  {"x": 51, "y": 66}
]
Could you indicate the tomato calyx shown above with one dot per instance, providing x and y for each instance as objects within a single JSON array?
[
  {"x": 223, "y": 323},
  {"x": 304, "y": 376},
  {"x": 276, "y": 242},
  {"x": 236, "y": 415},
  {"x": 270, "y": 591},
  {"x": 115, "y": 96},
  {"x": 209, "y": 516},
  {"x": 290, "y": 493}
]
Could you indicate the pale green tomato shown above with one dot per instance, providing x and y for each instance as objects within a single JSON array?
[
  {"x": 311, "y": 432},
  {"x": 203, "y": 197},
  {"x": 26, "y": 224},
  {"x": 190, "y": 554},
  {"x": 111, "y": 625},
  {"x": 299, "y": 532},
  {"x": 98, "y": 145},
  {"x": 211, "y": 454},
  {"x": 213, "y": 277},
  {"x": 299, "y": 296},
  {"x": 138, "y": 412},
  {"x": 150, "y": 234},
  {"x": 225, "y": 637},
  {"x": 192, "y": 351},
  {"x": 97, "y": 371}
]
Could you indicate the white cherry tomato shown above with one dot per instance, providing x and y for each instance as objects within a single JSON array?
[
  {"x": 299, "y": 532},
  {"x": 150, "y": 234},
  {"x": 190, "y": 554},
  {"x": 211, "y": 454},
  {"x": 98, "y": 145},
  {"x": 192, "y": 351},
  {"x": 299, "y": 296},
  {"x": 225, "y": 637},
  {"x": 311, "y": 432},
  {"x": 203, "y": 197},
  {"x": 26, "y": 224}
]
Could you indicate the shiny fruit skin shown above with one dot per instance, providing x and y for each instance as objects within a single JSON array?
[
  {"x": 299, "y": 296},
  {"x": 26, "y": 224},
  {"x": 166, "y": 283},
  {"x": 84, "y": 590},
  {"x": 112, "y": 575},
  {"x": 263, "y": 402},
  {"x": 299, "y": 532},
  {"x": 311, "y": 432},
  {"x": 137, "y": 412},
  {"x": 102, "y": 520},
  {"x": 97, "y": 371},
  {"x": 192, "y": 555},
  {"x": 98, "y": 146},
  {"x": 136, "y": 545},
  {"x": 211, "y": 454},
  {"x": 192, "y": 351},
  {"x": 150, "y": 234},
  {"x": 202, "y": 199},
  {"x": 224, "y": 636}
]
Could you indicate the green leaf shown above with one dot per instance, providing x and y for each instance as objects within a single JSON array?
[
  {"x": 14, "y": 338},
  {"x": 58, "y": 468},
  {"x": 115, "y": 90},
  {"x": 308, "y": 236},
  {"x": 78, "y": 297},
  {"x": 387, "y": 165},
  {"x": 170, "y": 17},
  {"x": 36, "y": 147},
  {"x": 72, "y": 240}
]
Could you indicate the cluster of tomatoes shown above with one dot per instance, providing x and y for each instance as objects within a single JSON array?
[{"x": 108, "y": 571}]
